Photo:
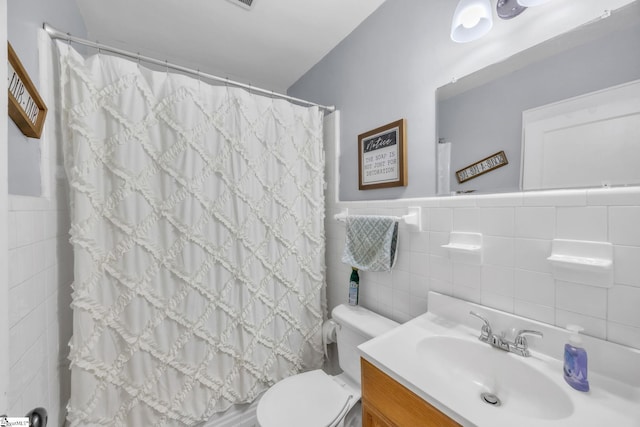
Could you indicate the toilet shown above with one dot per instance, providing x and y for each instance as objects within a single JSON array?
[{"x": 316, "y": 399}]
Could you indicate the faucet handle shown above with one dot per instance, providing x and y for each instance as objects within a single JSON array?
[
  {"x": 521, "y": 341},
  {"x": 485, "y": 332}
]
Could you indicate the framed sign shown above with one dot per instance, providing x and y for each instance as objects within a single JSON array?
[
  {"x": 483, "y": 166},
  {"x": 382, "y": 157},
  {"x": 26, "y": 108}
]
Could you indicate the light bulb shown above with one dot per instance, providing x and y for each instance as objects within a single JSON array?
[
  {"x": 471, "y": 20},
  {"x": 470, "y": 17}
]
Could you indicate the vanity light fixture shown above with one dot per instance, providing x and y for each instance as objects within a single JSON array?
[
  {"x": 471, "y": 20},
  {"x": 509, "y": 9}
]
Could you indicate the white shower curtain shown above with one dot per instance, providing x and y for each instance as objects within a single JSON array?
[{"x": 197, "y": 226}]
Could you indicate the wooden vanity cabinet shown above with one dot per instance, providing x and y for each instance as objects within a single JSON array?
[{"x": 387, "y": 403}]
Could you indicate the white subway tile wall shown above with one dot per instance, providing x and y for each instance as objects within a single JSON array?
[
  {"x": 582, "y": 223},
  {"x": 40, "y": 277},
  {"x": 514, "y": 275},
  {"x": 498, "y": 222},
  {"x": 626, "y": 265},
  {"x": 582, "y": 299},
  {"x": 624, "y": 305},
  {"x": 536, "y": 223},
  {"x": 624, "y": 226}
]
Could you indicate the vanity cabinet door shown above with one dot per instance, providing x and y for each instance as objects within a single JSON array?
[
  {"x": 372, "y": 418},
  {"x": 387, "y": 403}
]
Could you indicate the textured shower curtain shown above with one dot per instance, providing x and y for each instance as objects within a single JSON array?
[{"x": 197, "y": 226}]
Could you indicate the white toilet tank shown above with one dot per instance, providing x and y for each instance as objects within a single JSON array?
[{"x": 355, "y": 326}]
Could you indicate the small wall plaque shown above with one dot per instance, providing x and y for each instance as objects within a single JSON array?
[
  {"x": 483, "y": 166},
  {"x": 382, "y": 157},
  {"x": 26, "y": 107}
]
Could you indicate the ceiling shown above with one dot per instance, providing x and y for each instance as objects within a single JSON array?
[{"x": 270, "y": 46}]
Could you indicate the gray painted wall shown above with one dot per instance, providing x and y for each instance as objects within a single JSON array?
[
  {"x": 392, "y": 64},
  {"x": 373, "y": 77},
  {"x": 25, "y": 17},
  {"x": 488, "y": 118}
]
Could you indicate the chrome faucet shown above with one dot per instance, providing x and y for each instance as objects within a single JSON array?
[
  {"x": 485, "y": 331},
  {"x": 519, "y": 346}
]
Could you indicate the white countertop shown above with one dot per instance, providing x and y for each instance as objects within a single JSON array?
[{"x": 610, "y": 402}]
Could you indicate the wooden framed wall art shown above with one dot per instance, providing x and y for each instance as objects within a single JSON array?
[
  {"x": 481, "y": 167},
  {"x": 382, "y": 157},
  {"x": 26, "y": 107}
]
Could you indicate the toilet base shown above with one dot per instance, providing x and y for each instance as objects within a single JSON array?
[{"x": 353, "y": 417}]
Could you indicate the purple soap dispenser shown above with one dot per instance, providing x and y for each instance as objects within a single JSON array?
[{"x": 575, "y": 360}]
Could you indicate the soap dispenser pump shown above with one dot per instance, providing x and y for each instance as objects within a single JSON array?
[{"x": 575, "y": 360}]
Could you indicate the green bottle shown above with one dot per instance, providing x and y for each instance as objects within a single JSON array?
[{"x": 354, "y": 284}]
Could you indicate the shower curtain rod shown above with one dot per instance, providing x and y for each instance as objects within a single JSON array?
[{"x": 57, "y": 34}]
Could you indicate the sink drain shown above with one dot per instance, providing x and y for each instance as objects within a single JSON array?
[{"x": 491, "y": 399}]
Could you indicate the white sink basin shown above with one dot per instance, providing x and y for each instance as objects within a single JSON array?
[
  {"x": 438, "y": 356},
  {"x": 474, "y": 368}
]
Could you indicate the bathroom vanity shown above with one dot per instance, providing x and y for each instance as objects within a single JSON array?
[
  {"x": 434, "y": 371},
  {"x": 387, "y": 403}
]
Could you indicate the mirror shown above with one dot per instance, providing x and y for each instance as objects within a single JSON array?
[{"x": 481, "y": 114}]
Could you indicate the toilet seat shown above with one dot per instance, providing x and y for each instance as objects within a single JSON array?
[{"x": 312, "y": 399}]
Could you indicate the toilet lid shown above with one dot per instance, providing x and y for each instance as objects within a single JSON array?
[{"x": 310, "y": 399}]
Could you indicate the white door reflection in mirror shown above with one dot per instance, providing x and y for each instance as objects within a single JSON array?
[{"x": 588, "y": 141}]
